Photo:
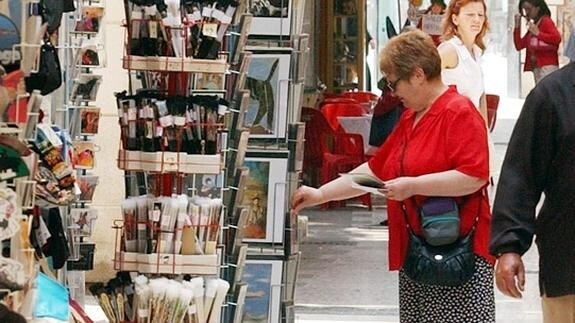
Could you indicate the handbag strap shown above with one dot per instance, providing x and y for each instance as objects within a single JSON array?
[
  {"x": 409, "y": 227},
  {"x": 404, "y": 208}
]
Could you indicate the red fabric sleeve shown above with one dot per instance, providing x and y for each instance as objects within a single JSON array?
[
  {"x": 548, "y": 31},
  {"x": 518, "y": 41},
  {"x": 467, "y": 139}
]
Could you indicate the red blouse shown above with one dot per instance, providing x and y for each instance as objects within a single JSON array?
[
  {"x": 541, "y": 49},
  {"x": 450, "y": 136}
]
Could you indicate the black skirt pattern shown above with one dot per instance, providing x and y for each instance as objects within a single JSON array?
[{"x": 473, "y": 302}]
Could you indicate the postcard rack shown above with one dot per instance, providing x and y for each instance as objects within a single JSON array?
[
  {"x": 271, "y": 168},
  {"x": 47, "y": 172},
  {"x": 82, "y": 53}
]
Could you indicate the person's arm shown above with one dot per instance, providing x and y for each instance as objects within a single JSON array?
[
  {"x": 521, "y": 182},
  {"x": 483, "y": 109},
  {"x": 523, "y": 176},
  {"x": 338, "y": 189},
  {"x": 547, "y": 31},
  {"x": 518, "y": 41},
  {"x": 448, "y": 55},
  {"x": 448, "y": 183}
]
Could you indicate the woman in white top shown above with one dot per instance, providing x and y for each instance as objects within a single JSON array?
[{"x": 464, "y": 26}]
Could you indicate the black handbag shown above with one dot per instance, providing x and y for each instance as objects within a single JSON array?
[
  {"x": 49, "y": 75},
  {"x": 447, "y": 265}
]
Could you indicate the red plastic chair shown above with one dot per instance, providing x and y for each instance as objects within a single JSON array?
[
  {"x": 315, "y": 125},
  {"x": 337, "y": 100},
  {"x": 492, "y": 101},
  {"x": 333, "y": 110},
  {"x": 343, "y": 152},
  {"x": 360, "y": 96},
  {"x": 328, "y": 153}
]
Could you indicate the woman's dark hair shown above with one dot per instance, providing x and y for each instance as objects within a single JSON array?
[
  {"x": 541, "y": 4},
  {"x": 439, "y": 2},
  {"x": 436, "y": 2}
]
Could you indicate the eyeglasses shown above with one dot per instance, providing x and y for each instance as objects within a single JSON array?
[{"x": 393, "y": 85}]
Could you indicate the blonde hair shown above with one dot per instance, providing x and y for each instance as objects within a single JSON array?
[
  {"x": 450, "y": 29},
  {"x": 408, "y": 51}
]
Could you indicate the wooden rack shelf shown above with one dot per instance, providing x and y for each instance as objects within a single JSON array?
[
  {"x": 160, "y": 263},
  {"x": 170, "y": 162},
  {"x": 174, "y": 64}
]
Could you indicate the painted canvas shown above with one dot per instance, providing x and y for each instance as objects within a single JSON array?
[
  {"x": 265, "y": 184},
  {"x": 262, "y": 301},
  {"x": 267, "y": 80},
  {"x": 256, "y": 198}
]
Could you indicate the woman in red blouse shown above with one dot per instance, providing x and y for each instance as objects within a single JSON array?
[
  {"x": 438, "y": 148},
  {"x": 541, "y": 39}
]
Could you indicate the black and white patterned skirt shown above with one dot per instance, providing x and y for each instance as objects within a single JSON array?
[{"x": 473, "y": 302}]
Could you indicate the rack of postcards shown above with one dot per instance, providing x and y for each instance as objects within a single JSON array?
[
  {"x": 42, "y": 167},
  {"x": 275, "y": 81},
  {"x": 180, "y": 148},
  {"x": 82, "y": 55}
]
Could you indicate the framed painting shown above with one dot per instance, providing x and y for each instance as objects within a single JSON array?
[
  {"x": 268, "y": 80},
  {"x": 262, "y": 302},
  {"x": 270, "y": 17},
  {"x": 265, "y": 196}
]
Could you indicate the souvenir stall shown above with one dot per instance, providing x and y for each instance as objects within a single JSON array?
[
  {"x": 47, "y": 127},
  {"x": 211, "y": 150}
]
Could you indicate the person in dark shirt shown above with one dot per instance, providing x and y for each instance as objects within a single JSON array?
[{"x": 540, "y": 159}]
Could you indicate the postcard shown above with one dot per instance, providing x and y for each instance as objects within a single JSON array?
[
  {"x": 90, "y": 21},
  {"x": 83, "y": 153},
  {"x": 366, "y": 182},
  {"x": 83, "y": 221}
]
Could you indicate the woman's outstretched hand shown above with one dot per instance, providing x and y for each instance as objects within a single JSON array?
[{"x": 305, "y": 196}]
